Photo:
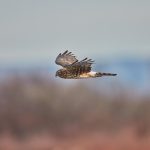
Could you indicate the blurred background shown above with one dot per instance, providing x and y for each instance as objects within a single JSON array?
[{"x": 41, "y": 112}]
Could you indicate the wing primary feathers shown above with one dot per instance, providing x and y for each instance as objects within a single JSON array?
[
  {"x": 74, "y": 62},
  {"x": 65, "y": 52},
  {"x": 69, "y": 53},
  {"x": 84, "y": 59},
  {"x": 91, "y": 60},
  {"x": 65, "y": 59},
  {"x": 87, "y": 60}
]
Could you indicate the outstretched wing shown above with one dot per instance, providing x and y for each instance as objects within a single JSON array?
[
  {"x": 78, "y": 68},
  {"x": 65, "y": 59}
]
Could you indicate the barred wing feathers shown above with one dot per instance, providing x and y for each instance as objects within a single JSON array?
[
  {"x": 65, "y": 59},
  {"x": 84, "y": 66}
]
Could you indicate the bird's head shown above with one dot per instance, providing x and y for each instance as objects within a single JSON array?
[{"x": 58, "y": 73}]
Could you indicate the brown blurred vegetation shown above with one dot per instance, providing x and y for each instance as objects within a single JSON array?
[{"x": 36, "y": 106}]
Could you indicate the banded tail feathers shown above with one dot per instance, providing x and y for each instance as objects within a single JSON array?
[{"x": 100, "y": 74}]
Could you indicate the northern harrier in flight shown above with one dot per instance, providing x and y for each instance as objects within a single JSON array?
[{"x": 74, "y": 69}]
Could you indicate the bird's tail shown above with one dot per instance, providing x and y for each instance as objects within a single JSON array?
[{"x": 100, "y": 74}]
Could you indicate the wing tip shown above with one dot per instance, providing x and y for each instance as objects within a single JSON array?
[{"x": 65, "y": 52}]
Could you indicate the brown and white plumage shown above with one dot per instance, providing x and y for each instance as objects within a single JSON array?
[{"x": 74, "y": 69}]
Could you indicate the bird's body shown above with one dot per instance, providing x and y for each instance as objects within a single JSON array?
[
  {"x": 74, "y": 69},
  {"x": 67, "y": 74},
  {"x": 64, "y": 73}
]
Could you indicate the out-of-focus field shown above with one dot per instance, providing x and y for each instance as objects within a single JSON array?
[{"x": 37, "y": 113}]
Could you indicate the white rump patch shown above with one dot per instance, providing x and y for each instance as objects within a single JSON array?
[
  {"x": 88, "y": 75},
  {"x": 92, "y": 73}
]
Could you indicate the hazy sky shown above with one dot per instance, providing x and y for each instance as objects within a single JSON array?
[{"x": 37, "y": 30}]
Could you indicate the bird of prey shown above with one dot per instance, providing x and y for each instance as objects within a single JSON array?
[{"x": 75, "y": 69}]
